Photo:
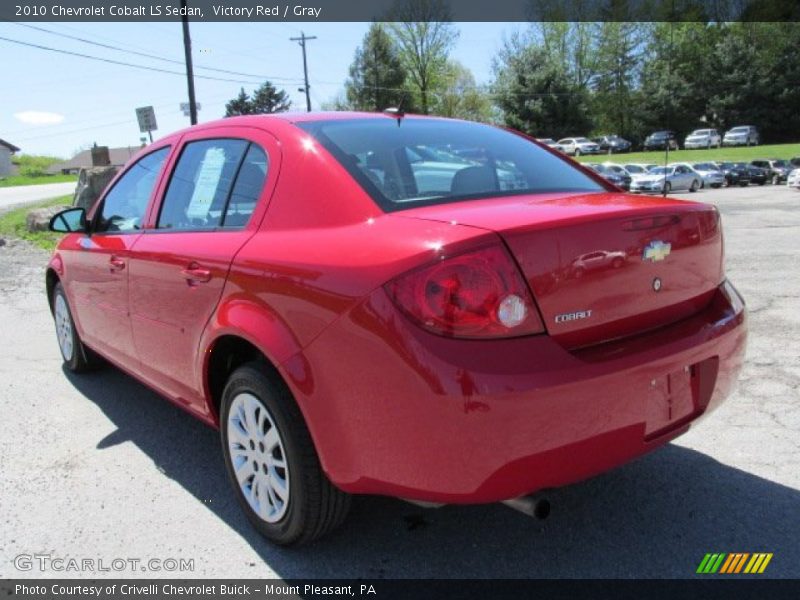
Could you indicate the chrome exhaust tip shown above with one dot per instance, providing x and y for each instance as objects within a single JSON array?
[{"x": 536, "y": 506}]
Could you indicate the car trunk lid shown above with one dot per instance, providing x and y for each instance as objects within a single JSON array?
[{"x": 602, "y": 266}]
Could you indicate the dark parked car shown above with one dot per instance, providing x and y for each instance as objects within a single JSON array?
[
  {"x": 618, "y": 179},
  {"x": 735, "y": 173},
  {"x": 612, "y": 143},
  {"x": 777, "y": 170},
  {"x": 660, "y": 140},
  {"x": 758, "y": 175}
]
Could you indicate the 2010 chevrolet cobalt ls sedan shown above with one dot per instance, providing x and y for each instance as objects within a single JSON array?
[{"x": 388, "y": 304}]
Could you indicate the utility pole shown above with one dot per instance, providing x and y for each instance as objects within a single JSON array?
[
  {"x": 302, "y": 40},
  {"x": 187, "y": 49}
]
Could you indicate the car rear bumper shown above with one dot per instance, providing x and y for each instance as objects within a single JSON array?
[{"x": 397, "y": 411}]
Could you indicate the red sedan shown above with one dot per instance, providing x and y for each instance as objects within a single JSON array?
[{"x": 388, "y": 304}]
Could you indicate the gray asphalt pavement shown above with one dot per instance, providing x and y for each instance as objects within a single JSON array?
[
  {"x": 98, "y": 467},
  {"x": 11, "y": 197}
]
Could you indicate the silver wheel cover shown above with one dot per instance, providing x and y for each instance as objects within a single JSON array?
[
  {"x": 258, "y": 457},
  {"x": 63, "y": 328}
]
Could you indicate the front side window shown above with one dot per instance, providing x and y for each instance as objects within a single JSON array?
[
  {"x": 125, "y": 205},
  {"x": 204, "y": 185},
  {"x": 428, "y": 161}
]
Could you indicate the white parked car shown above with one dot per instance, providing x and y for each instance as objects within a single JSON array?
[
  {"x": 712, "y": 175},
  {"x": 794, "y": 179},
  {"x": 638, "y": 170},
  {"x": 668, "y": 179},
  {"x": 579, "y": 145},
  {"x": 703, "y": 138}
]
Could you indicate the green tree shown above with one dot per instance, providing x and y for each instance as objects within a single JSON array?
[
  {"x": 239, "y": 106},
  {"x": 377, "y": 77},
  {"x": 617, "y": 70},
  {"x": 460, "y": 97},
  {"x": 266, "y": 99},
  {"x": 424, "y": 35},
  {"x": 677, "y": 76},
  {"x": 269, "y": 99},
  {"x": 536, "y": 94}
]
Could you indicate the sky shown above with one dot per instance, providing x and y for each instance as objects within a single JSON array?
[{"x": 56, "y": 104}]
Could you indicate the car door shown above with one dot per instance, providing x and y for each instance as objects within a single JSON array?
[
  {"x": 211, "y": 206},
  {"x": 98, "y": 265},
  {"x": 681, "y": 179}
]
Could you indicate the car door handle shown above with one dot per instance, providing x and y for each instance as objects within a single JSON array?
[
  {"x": 116, "y": 264},
  {"x": 196, "y": 274}
]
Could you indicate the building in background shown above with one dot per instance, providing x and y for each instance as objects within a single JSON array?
[
  {"x": 117, "y": 157},
  {"x": 6, "y": 150}
]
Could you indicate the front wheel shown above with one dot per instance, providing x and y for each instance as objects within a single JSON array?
[
  {"x": 77, "y": 357},
  {"x": 577, "y": 151},
  {"x": 694, "y": 186},
  {"x": 667, "y": 187},
  {"x": 272, "y": 463},
  {"x": 776, "y": 179}
]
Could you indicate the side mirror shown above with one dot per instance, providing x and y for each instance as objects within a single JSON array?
[{"x": 71, "y": 220}]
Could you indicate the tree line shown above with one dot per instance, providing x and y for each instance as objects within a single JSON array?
[{"x": 557, "y": 79}]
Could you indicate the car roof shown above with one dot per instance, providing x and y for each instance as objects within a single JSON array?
[{"x": 259, "y": 121}]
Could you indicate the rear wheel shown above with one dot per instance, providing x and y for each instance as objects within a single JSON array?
[
  {"x": 272, "y": 463},
  {"x": 77, "y": 357}
]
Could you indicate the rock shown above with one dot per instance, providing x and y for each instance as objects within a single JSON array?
[
  {"x": 91, "y": 183},
  {"x": 39, "y": 218}
]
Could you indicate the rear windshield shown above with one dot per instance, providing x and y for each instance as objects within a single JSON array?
[{"x": 415, "y": 161}]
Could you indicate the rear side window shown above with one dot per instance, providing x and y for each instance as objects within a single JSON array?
[
  {"x": 429, "y": 161},
  {"x": 124, "y": 206},
  {"x": 216, "y": 183}
]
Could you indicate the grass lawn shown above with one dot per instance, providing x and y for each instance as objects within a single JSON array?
[
  {"x": 15, "y": 180},
  {"x": 12, "y": 224},
  {"x": 731, "y": 153}
]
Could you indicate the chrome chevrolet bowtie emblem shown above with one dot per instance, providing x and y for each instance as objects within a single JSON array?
[{"x": 656, "y": 251}]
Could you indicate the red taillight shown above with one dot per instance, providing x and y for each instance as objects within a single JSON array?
[{"x": 477, "y": 294}]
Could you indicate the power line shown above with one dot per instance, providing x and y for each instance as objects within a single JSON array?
[
  {"x": 151, "y": 56},
  {"x": 119, "y": 62}
]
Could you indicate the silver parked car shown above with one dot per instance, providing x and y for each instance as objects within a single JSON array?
[
  {"x": 551, "y": 143},
  {"x": 712, "y": 175},
  {"x": 579, "y": 145},
  {"x": 667, "y": 179},
  {"x": 742, "y": 135},
  {"x": 703, "y": 138}
]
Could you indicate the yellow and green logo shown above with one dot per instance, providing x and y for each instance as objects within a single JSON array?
[{"x": 734, "y": 562}]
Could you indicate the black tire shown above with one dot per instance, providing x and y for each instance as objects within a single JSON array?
[
  {"x": 80, "y": 358},
  {"x": 315, "y": 506},
  {"x": 577, "y": 151},
  {"x": 694, "y": 186},
  {"x": 667, "y": 187}
]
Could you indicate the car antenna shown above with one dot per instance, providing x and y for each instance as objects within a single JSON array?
[{"x": 396, "y": 111}]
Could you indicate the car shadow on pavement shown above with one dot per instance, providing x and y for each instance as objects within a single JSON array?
[{"x": 655, "y": 517}]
